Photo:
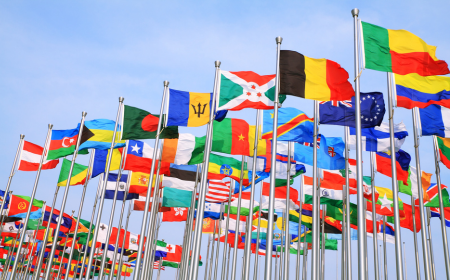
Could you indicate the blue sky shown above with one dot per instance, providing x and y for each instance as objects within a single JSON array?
[{"x": 61, "y": 58}]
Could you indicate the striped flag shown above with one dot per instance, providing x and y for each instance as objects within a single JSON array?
[
  {"x": 218, "y": 191},
  {"x": 30, "y": 157},
  {"x": 156, "y": 265}
]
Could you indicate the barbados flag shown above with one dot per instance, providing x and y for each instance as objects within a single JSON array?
[
  {"x": 190, "y": 109},
  {"x": 293, "y": 125},
  {"x": 102, "y": 131},
  {"x": 101, "y": 159}
]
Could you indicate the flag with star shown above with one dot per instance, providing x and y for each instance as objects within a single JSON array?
[
  {"x": 293, "y": 125},
  {"x": 385, "y": 203},
  {"x": 343, "y": 112},
  {"x": 221, "y": 167},
  {"x": 246, "y": 89},
  {"x": 140, "y": 157}
]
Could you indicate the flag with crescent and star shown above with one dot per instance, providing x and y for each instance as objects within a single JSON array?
[{"x": 63, "y": 142}]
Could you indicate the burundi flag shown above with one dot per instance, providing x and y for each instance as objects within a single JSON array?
[
  {"x": 140, "y": 124},
  {"x": 79, "y": 173},
  {"x": 246, "y": 89},
  {"x": 221, "y": 167},
  {"x": 293, "y": 125}
]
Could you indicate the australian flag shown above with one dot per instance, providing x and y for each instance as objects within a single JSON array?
[{"x": 343, "y": 112}]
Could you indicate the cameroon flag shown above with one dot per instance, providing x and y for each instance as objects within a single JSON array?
[
  {"x": 221, "y": 167},
  {"x": 78, "y": 174},
  {"x": 444, "y": 150}
]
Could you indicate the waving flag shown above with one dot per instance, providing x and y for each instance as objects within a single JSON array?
[
  {"x": 412, "y": 187},
  {"x": 385, "y": 203},
  {"x": 280, "y": 197},
  {"x": 343, "y": 112},
  {"x": 444, "y": 150},
  {"x": 100, "y": 161},
  {"x": 329, "y": 192},
  {"x": 407, "y": 221},
  {"x": 67, "y": 224},
  {"x": 186, "y": 149},
  {"x": 121, "y": 188},
  {"x": 245, "y": 204},
  {"x": 180, "y": 179},
  {"x": 212, "y": 211},
  {"x": 174, "y": 214},
  {"x": 18, "y": 207},
  {"x": 102, "y": 133},
  {"x": 293, "y": 125},
  {"x": 176, "y": 197},
  {"x": 435, "y": 120},
  {"x": 221, "y": 167},
  {"x": 329, "y": 153},
  {"x": 431, "y": 196},
  {"x": 383, "y": 165},
  {"x": 218, "y": 191},
  {"x": 436, "y": 212},
  {"x": 30, "y": 158},
  {"x": 79, "y": 174},
  {"x": 140, "y": 157},
  {"x": 376, "y": 139}
]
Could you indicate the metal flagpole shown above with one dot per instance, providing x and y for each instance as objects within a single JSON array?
[
  {"x": 322, "y": 270},
  {"x": 430, "y": 245},
  {"x": 297, "y": 268},
  {"x": 216, "y": 266},
  {"x": 224, "y": 260},
  {"x": 102, "y": 190},
  {"x": 423, "y": 234},
  {"x": 207, "y": 254},
  {"x": 248, "y": 241},
  {"x": 61, "y": 265},
  {"x": 348, "y": 243},
  {"x": 441, "y": 208},
  {"x": 153, "y": 245},
  {"x": 404, "y": 259},
  {"x": 359, "y": 171},
  {"x": 315, "y": 212},
  {"x": 269, "y": 235},
  {"x": 66, "y": 192},
  {"x": 276, "y": 263},
  {"x": 379, "y": 261},
  {"x": 255, "y": 272},
  {"x": 238, "y": 219},
  {"x": 137, "y": 271},
  {"x": 203, "y": 186},
  {"x": 10, "y": 255},
  {"x": 280, "y": 270},
  {"x": 123, "y": 241},
  {"x": 33, "y": 193},
  {"x": 159, "y": 268},
  {"x": 228, "y": 260},
  {"x": 208, "y": 270},
  {"x": 185, "y": 236},
  {"x": 374, "y": 218},
  {"x": 416, "y": 250},
  {"x": 344, "y": 238},
  {"x": 286, "y": 223},
  {"x": 365, "y": 240},
  {"x": 305, "y": 259},
  {"x": 384, "y": 249}
]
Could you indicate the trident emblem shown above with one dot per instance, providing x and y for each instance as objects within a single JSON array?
[{"x": 199, "y": 111}]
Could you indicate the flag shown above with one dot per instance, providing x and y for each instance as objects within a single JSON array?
[
  {"x": 30, "y": 158},
  {"x": 139, "y": 182},
  {"x": 329, "y": 154},
  {"x": 384, "y": 166},
  {"x": 435, "y": 121},
  {"x": 218, "y": 191},
  {"x": 174, "y": 214},
  {"x": 140, "y": 124},
  {"x": 111, "y": 183},
  {"x": 385, "y": 203},
  {"x": 63, "y": 142},
  {"x": 176, "y": 198},
  {"x": 376, "y": 139},
  {"x": 236, "y": 137},
  {"x": 343, "y": 112},
  {"x": 310, "y": 78},
  {"x": 161, "y": 249},
  {"x": 2, "y": 197},
  {"x": 412, "y": 187},
  {"x": 335, "y": 212},
  {"x": 221, "y": 167},
  {"x": 436, "y": 212},
  {"x": 101, "y": 160},
  {"x": 444, "y": 150},
  {"x": 407, "y": 220},
  {"x": 233, "y": 223},
  {"x": 431, "y": 196},
  {"x": 245, "y": 204},
  {"x": 246, "y": 89},
  {"x": 280, "y": 197},
  {"x": 212, "y": 211},
  {"x": 180, "y": 179},
  {"x": 139, "y": 204},
  {"x": 413, "y": 90},
  {"x": 186, "y": 149},
  {"x": 18, "y": 207},
  {"x": 173, "y": 257},
  {"x": 329, "y": 192},
  {"x": 140, "y": 157},
  {"x": 103, "y": 131},
  {"x": 67, "y": 224},
  {"x": 79, "y": 173},
  {"x": 293, "y": 125},
  {"x": 390, "y": 233},
  {"x": 399, "y": 51},
  {"x": 208, "y": 226}
]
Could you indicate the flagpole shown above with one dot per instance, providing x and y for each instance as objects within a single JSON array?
[
  {"x": 300, "y": 192},
  {"x": 10, "y": 254},
  {"x": 441, "y": 207},
  {"x": 324, "y": 210},
  {"x": 208, "y": 269},
  {"x": 61, "y": 265},
  {"x": 276, "y": 262},
  {"x": 238, "y": 221},
  {"x": 228, "y": 260},
  {"x": 185, "y": 236},
  {"x": 404, "y": 259},
  {"x": 193, "y": 273},
  {"x": 33, "y": 193},
  {"x": 227, "y": 224},
  {"x": 316, "y": 210},
  {"x": 348, "y": 243},
  {"x": 216, "y": 267},
  {"x": 430, "y": 245},
  {"x": 344, "y": 238},
  {"x": 123, "y": 241},
  {"x": 286, "y": 224},
  {"x": 374, "y": 217},
  {"x": 207, "y": 255},
  {"x": 305, "y": 258},
  {"x": 248, "y": 241},
  {"x": 255, "y": 272},
  {"x": 159, "y": 268},
  {"x": 269, "y": 236},
  {"x": 416, "y": 250},
  {"x": 280, "y": 270},
  {"x": 153, "y": 245},
  {"x": 366, "y": 258},
  {"x": 384, "y": 248}
]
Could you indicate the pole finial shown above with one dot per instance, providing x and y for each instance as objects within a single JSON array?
[
  {"x": 121, "y": 99},
  {"x": 50, "y": 126},
  {"x": 279, "y": 39},
  {"x": 166, "y": 83},
  {"x": 355, "y": 12},
  {"x": 83, "y": 114},
  {"x": 217, "y": 63},
  {"x": 22, "y": 136}
]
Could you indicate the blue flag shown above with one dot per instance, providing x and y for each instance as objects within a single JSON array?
[
  {"x": 343, "y": 112},
  {"x": 111, "y": 187},
  {"x": 376, "y": 139},
  {"x": 293, "y": 125},
  {"x": 330, "y": 153},
  {"x": 435, "y": 120},
  {"x": 102, "y": 131}
]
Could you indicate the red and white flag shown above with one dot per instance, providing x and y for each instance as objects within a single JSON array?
[
  {"x": 30, "y": 157},
  {"x": 218, "y": 191},
  {"x": 139, "y": 203},
  {"x": 280, "y": 197},
  {"x": 174, "y": 214},
  {"x": 156, "y": 265}
]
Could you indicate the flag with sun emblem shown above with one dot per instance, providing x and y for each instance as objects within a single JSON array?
[{"x": 246, "y": 89}]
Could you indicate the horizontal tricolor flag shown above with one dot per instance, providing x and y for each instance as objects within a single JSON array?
[
  {"x": 112, "y": 185},
  {"x": 280, "y": 197},
  {"x": 139, "y": 203},
  {"x": 329, "y": 192},
  {"x": 139, "y": 182},
  {"x": 221, "y": 167},
  {"x": 233, "y": 223},
  {"x": 245, "y": 204},
  {"x": 186, "y": 149},
  {"x": 385, "y": 203},
  {"x": 212, "y": 211},
  {"x": 435, "y": 120},
  {"x": 180, "y": 179},
  {"x": 376, "y": 139},
  {"x": 176, "y": 197},
  {"x": 390, "y": 233},
  {"x": 30, "y": 158},
  {"x": 384, "y": 166}
]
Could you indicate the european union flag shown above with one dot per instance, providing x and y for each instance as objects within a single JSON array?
[{"x": 343, "y": 112}]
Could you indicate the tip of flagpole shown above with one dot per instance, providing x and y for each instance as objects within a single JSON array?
[
  {"x": 166, "y": 83},
  {"x": 50, "y": 126},
  {"x": 22, "y": 136},
  {"x": 84, "y": 114},
  {"x": 355, "y": 12},
  {"x": 279, "y": 40},
  {"x": 121, "y": 99},
  {"x": 217, "y": 63}
]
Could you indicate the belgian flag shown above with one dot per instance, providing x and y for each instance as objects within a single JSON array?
[{"x": 310, "y": 78}]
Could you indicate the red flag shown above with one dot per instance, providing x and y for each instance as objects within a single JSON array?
[
  {"x": 174, "y": 214},
  {"x": 30, "y": 157}
]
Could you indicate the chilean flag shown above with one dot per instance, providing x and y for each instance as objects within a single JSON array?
[
  {"x": 140, "y": 156},
  {"x": 30, "y": 157}
]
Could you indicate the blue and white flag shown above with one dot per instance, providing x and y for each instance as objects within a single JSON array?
[
  {"x": 435, "y": 120},
  {"x": 343, "y": 112},
  {"x": 330, "y": 153},
  {"x": 212, "y": 210},
  {"x": 111, "y": 187},
  {"x": 376, "y": 139}
]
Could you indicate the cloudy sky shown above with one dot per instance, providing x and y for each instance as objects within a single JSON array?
[{"x": 61, "y": 58}]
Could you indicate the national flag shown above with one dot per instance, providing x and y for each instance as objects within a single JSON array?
[
  {"x": 444, "y": 150},
  {"x": 174, "y": 214},
  {"x": 293, "y": 125},
  {"x": 212, "y": 211},
  {"x": 30, "y": 158},
  {"x": 384, "y": 166},
  {"x": 111, "y": 184},
  {"x": 208, "y": 225},
  {"x": 221, "y": 167},
  {"x": 180, "y": 179},
  {"x": 280, "y": 223},
  {"x": 139, "y": 182},
  {"x": 2, "y": 197},
  {"x": 246, "y": 89},
  {"x": 176, "y": 197},
  {"x": 335, "y": 212},
  {"x": 407, "y": 220},
  {"x": 140, "y": 157},
  {"x": 385, "y": 203},
  {"x": 280, "y": 197},
  {"x": 101, "y": 161},
  {"x": 161, "y": 249},
  {"x": 139, "y": 203},
  {"x": 412, "y": 187},
  {"x": 186, "y": 149},
  {"x": 233, "y": 223},
  {"x": 330, "y": 155},
  {"x": 218, "y": 191},
  {"x": 343, "y": 112},
  {"x": 63, "y": 142},
  {"x": 263, "y": 223},
  {"x": 310, "y": 78},
  {"x": 399, "y": 51},
  {"x": 189, "y": 109},
  {"x": 435, "y": 120},
  {"x": 245, "y": 204},
  {"x": 18, "y": 207},
  {"x": 79, "y": 173},
  {"x": 173, "y": 257},
  {"x": 140, "y": 124},
  {"x": 431, "y": 196},
  {"x": 436, "y": 212},
  {"x": 413, "y": 90},
  {"x": 376, "y": 139},
  {"x": 369, "y": 221},
  {"x": 103, "y": 131},
  {"x": 330, "y": 193},
  {"x": 156, "y": 265},
  {"x": 390, "y": 233},
  {"x": 67, "y": 224}
]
